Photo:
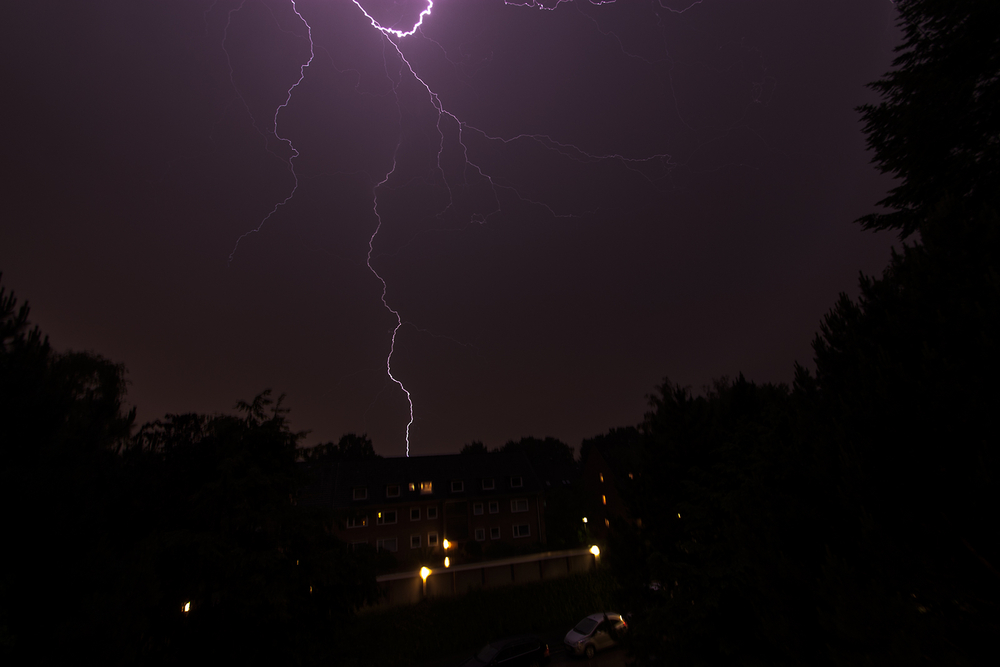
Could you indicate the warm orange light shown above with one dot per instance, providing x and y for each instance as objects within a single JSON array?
[
  {"x": 604, "y": 499},
  {"x": 186, "y": 608},
  {"x": 447, "y": 563},
  {"x": 446, "y": 544},
  {"x": 585, "y": 519},
  {"x": 595, "y": 550},
  {"x": 678, "y": 515},
  {"x": 601, "y": 475},
  {"x": 424, "y": 573}
]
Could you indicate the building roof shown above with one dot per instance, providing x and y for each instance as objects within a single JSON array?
[{"x": 335, "y": 483}]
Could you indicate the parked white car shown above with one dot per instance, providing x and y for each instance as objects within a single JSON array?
[{"x": 595, "y": 633}]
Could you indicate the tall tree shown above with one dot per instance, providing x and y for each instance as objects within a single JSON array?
[{"x": 937, "y": 128}]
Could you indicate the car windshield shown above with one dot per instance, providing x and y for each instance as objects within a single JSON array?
[
  {"x": 585, "y": 627},
  {"x": 486, "y": 653}
]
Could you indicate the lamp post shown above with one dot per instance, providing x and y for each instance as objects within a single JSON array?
[
  {"x": 424, "y": 573},
  {"x": 596, "y": 550}
]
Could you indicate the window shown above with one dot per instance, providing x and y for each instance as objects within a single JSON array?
[
  {"x": 414, "y": 514},
  {"x": 392, "y": 491},
  {"x": 494, "y": 507},
  {"x": 426, "y": 488},
  {"x": 414, "y": 541},
  {"x": 387, "y": 516},
  {"x": 413, "y": 487},
  {"x": 516, "y": 482},
  {"x": 522, "y": 530},
  {"x": 357, "y": 522},
  {"x": 480, "y": 534},
  {"x": 488, "y": 484},
  {"x": 432, "y": 512},
  {"x": 520, "y": 505},
  {"x": 477, "y": 508},
  {"x": 432, "y": 539},
  {"x": 360, "y": 493},
  {"x": 354, "y": 546},
  {"x": 457, "y": 487},
  {"x": 388, "y": 544},
  {"x": 601, "y": 475},
  {"x": 607, "y": 523},
  {"x": 604, "y": 500},
  {"x": 495, "y": 533}
]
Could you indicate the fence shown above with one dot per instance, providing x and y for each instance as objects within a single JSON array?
[{"x": 410, "y": 587}]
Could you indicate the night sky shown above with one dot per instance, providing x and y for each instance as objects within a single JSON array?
[{"x": 637, "y": 190}]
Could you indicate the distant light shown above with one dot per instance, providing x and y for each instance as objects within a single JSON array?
[
  {"x": 678, "y": 515},
  {"x": 424, "y": 573},
  {"x": 447, "y": 562},
  {"x": 446, "y": 544},
  {"x": 186, "y": 608},
  {"x": 601, "y": 475},
  {"x": 585, "y": 519},
  {"x": 310, "y": 589},
  {"x": 604, "y": 500},
  {"x": 595, "y": 550}
]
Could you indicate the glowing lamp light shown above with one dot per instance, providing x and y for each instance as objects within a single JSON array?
[
  {"x": 424, "y": 573},
  {"x": 585, "y": 519},
  {"x": 447, "y": 562},
  {"x": 446, "y": 544},
  {"x": 186, "y": 608},
  {"x": 595, "y": 550}
]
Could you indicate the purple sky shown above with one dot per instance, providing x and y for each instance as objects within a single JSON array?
[{"x": 553, "y": 293}]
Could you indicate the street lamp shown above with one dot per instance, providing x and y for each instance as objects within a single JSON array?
[
  {"x": 597, "y": 554},
  {"x": 424, "y": 573}
]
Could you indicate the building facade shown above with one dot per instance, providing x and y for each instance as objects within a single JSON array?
[{"x": 412, "y": 507}]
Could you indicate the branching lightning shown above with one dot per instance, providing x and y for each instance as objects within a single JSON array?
[{"x": 394, "y": 36}]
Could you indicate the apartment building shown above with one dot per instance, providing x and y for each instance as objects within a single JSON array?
[{"x": 412, "y": 506}]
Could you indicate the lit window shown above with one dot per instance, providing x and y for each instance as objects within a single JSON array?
[
  {"x": 426, "y": 487},
  {"x": 457, "y": 487},
  {"x": 360, "y": 493},
  {"x": 388, "y": 544},
  {"x": 520, "y": 505},
  {"x": 480, "y": 534},
  {"x": 630, "y": 476},
  {"x": 604, "y": 500},
  {"x": 494, "y": 507},
  {"x": 392, "y": 491},
  {"x": 432, "y": 539},
  {"x": 357, "y": 522},
  {"x": 601, "y": 475},
  {"x": 414, "y": 541},
  {"x": 477, "y": 508},
  {"x": 516, "y": 482},
  {"x": 495, "y": 533},
  {"x": 488, "y": 484},
  {"x": 522, "y": 530},
  {"x": 388, "y": 516},
  {"x": 413, "y": 487},
  {"x": 414, "y": 514},
  {"x": 607, "y": 523},
  {"x": 432, "y": 512}
]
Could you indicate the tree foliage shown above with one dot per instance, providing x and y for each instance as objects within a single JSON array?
[
  {"x": 110, "y": 534},
  {"x": 937, "y": 128},
  {"x": 842, "y": 520}
]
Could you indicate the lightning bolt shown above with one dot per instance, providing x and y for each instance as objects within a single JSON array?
[
  {"x": 394, "y": 37},
  {"x": 274, "y": 120}
]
